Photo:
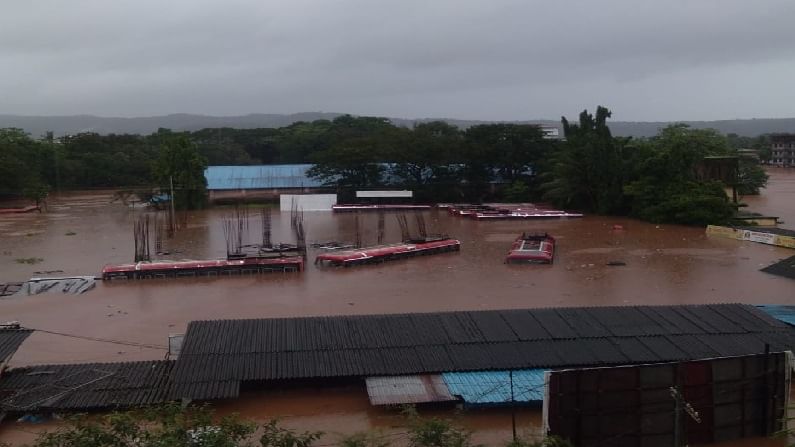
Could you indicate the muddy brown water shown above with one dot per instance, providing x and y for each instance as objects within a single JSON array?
[{"x": 81, "y": 232}]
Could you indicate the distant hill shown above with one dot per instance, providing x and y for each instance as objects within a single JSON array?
[{"x": 63, "y": 125}]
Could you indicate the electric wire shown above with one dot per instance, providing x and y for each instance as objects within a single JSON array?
[{"x": 102, "y": 340}]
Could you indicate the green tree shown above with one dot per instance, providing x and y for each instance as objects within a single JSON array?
[
  {"x": 751, "y": 177},
  {"x": 587, "y": 171},
  {"x": 364, "y": 439},
  {"x": 274, "y": 435},
  {"x": 513, "y": 149},
  {"x": 23, "y": 164},
  {"x": 180, "y": 162},
  {"x": 517, "y": 191},
  {"x": 165, "y": 426},
  {"x": 354, "y": 165},
  {"x": 665, "y": 185},
  {"x": 547, "y": 441},
  {"x": 37, "y": 191},
  {"x": 434, "y": 432},
  {"x": 424, "y": 160}
]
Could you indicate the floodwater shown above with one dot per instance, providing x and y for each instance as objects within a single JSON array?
[{"x": 80, "y": 233}]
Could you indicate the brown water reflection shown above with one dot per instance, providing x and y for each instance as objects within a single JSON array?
[{"x": 665, "y": 264}]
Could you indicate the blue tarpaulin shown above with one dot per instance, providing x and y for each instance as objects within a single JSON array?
[
  {"x": 781, "y": 313},
  {"x": 494, "y": 387}
]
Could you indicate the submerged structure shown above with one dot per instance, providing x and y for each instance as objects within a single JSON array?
[
  {"x": 241, "y": 258},
  {"x": 785, "y": 268},
  {"x": 532, "y": 248},
  {"x": 212, "y": 267},
  {"x": 390, "y": 252},
  {"x": 352, "y": 208},
  {"x": 422, "y": 244},
  {"x": 508, "y": 211},
  {"x": 780, "y": 237}
]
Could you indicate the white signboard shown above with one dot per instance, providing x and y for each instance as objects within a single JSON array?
[
  {"x": 380, "y": 194},
  {"x": 307, "y": 202},
  {"x": 755, "y": 236}
]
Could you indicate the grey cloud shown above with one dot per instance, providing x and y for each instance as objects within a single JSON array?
[{"x": 503, "y": 59}]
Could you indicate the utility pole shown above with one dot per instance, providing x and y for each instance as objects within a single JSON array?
[
  {"x": 513, "y": 406},
  {"x": 681, "y": 405},
  {"x": 677, "y": 417}
]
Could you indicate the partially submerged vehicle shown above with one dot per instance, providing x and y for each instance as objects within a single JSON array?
[
  {"x": 532, "y": 248},
  {"x": 508, "y": 211},
  {"x": 389, "y": 252},
  {"x": 211, "y": 267},
  {"x": 521, "y": 214}
]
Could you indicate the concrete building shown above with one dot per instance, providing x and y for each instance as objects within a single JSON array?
[{"x": 783, "y": 150}]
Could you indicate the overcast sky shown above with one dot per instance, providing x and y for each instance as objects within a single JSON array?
[{"x": 489, "y": 59}]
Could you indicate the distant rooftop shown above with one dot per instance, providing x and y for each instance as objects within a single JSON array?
[{"x": 260, "y": 177}]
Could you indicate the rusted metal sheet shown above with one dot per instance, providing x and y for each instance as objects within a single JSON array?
[{"x": 396, "y": 390}]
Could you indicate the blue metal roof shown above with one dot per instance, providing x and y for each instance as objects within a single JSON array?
[
  {"x": 493, "y": 387},
  {"x": 781, "y": 313},
  {"x": 292, "y": 176},
  {"x": 260, "y": 177}
]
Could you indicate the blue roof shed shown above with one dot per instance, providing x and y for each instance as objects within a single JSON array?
[
  {"x": 260, "y": 177},
  {"x": 780, "y": 313},
  {"x": 494, "y": 387}
]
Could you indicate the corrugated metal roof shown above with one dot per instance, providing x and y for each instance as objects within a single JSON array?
[
  {"x": 494, "y": 387},
  {"x": 10, "y": 339},
  {"x": 260, "y": 177},
  {"x": 403, "y": 344},
  {"x": 85, "y": 386},
  {"x": 785, "y": 268},
  {"x": 395, "y": 390},
  {"x": 295, "y": 176},
  {"x": 781, "y": 313}
]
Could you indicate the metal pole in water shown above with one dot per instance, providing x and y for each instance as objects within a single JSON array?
[
  {"x": 173, "y": 214},
  {"x": 513, "y": 406}
]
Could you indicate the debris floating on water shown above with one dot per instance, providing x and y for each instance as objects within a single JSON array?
[{"x": 74, "y": 285}]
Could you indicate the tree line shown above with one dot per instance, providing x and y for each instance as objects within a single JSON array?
[
  {"x": 655, "y": 178},
  {"x": 170, "y": 425}
]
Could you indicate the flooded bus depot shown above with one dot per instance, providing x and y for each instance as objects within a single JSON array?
[{"x": 598, "y": 261}]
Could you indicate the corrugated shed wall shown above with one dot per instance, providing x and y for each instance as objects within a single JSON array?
[{"x": 731, "y": 398}]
